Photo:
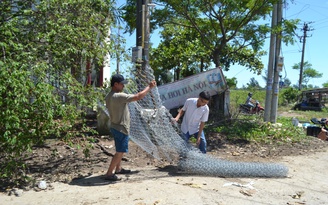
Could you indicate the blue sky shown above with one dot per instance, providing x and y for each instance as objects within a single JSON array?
[
  {"x": 315, "y": 48},
  {"x": 315, "y": 13}
]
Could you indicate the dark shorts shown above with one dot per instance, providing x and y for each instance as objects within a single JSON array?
[{"x": 121, "y": 140}]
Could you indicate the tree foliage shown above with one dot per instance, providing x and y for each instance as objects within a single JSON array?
[
  {"x": 290, "y": 94},
  {"x": 45, "y": 46},
  {"x": 181, "y": 52},
  {"x": 287, "y": 82},
  {"x": 325, "y": 85},
  {"x": 220, "y": 32},
  {"x": 308, "y": 72},
  {"x": 232, "y": 82},
  {"x": 253, "y": 83}
]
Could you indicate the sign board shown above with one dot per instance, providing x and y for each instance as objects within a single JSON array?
[{"x": 175, "y": 94}]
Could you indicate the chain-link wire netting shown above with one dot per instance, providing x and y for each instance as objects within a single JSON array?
[{"x": 153, "y": 129}]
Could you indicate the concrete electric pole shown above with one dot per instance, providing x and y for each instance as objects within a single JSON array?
[
  {"x": 141, "y": 51},
  {"x": 270, "y": 66},
  {"x": 272, "y": 90},
  {"x": 305, "y": 30},
  {"x": 277, "y": 68}
]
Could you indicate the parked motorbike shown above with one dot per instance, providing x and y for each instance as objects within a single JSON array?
[{"x": 258, "y": 109}]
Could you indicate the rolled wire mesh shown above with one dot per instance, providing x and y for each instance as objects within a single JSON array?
[
  {"x": 153, "y": 129},
  {"x": 200, "y": 164}
]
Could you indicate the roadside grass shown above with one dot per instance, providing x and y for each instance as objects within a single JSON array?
[{"x": 253, "y": 128}]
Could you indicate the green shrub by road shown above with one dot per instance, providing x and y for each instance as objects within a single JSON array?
[{"x": 253, "y": 128}]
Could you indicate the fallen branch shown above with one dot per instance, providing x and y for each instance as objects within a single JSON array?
[{"x": 108, "y": 153}]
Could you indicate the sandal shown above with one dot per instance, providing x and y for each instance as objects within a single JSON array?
[
  {"x": 112, "y": 177},
  {"x": 123, "y": 171}
]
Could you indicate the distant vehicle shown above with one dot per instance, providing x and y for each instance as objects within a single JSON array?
[
  {"x": 309, "y": 106},
  {"x": 258, "y": 109},
  {"x": 314, "y": 99}
]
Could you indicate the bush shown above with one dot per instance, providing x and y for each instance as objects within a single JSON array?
[
  {"x": 286, "y": 96},
  {"x": 31, "y": 112},
  {"x": 290, "y": 95},
  {"x": 45, "y": 50},
  {"x": 254, "y": 129},
  {"x": 25, "y": 116}
]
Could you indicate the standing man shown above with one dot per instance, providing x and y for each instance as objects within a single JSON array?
[
  {"x": 196, "y": 113},
  {"x": 117, "y": 105}
]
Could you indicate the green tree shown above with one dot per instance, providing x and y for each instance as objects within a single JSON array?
[
  {"x": 163, "y": 76},
  {"x": 44, "y": 46},
  {"x": 325, "y": 85},
  {"x": 231, "y": 31},
  {"x": 180, "y": 51},
  {"x": 232, "y": 82},
  {"x": 308, "y": 72},
  {"x": 287, "y": 82},
  {"x": 253, "y": 83},
  {"x": 290, "y": 94}
]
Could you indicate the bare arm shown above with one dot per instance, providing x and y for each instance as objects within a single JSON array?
[
  {"x": 181, "y": 112},
  {"x": 144, "y": 92},
  {"x": 201, "y": 127}
]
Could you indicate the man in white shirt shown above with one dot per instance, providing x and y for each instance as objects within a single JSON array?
[{"x": 196, "y": 113}]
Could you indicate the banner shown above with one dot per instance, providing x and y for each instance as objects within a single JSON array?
[{"x": 175, "y": 94}]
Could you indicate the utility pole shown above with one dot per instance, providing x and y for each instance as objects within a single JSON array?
[
  {"x": 270, "y": 66},
  {"x": 275, "y": 91},
  {"x": 139, "y": 29},
  {"x": 142, "y": 31},
  {"x": 272, "y": 90},
  {"x": 146, "y": 33},
  {"x": 305, "y": 30},
  {"x": 142, "y": 49},
  {"x": 137, "y": 52}
]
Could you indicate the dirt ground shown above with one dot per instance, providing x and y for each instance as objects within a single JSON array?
[{"x": 73, "y": 179}]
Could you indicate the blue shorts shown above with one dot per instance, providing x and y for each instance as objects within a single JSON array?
[{"x": 121, "y": 140}]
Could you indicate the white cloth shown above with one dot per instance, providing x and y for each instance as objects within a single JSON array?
[
  {"x": 193, "y": 116},
  {"x": 249, "y": 101}
]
